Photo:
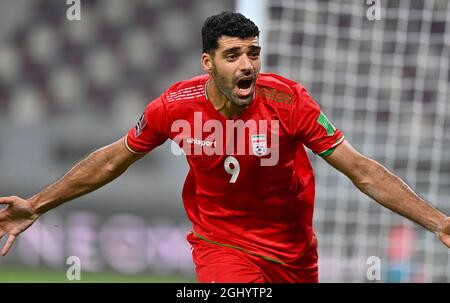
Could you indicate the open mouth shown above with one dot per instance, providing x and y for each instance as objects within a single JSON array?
[{"x": 244, "y": 86}]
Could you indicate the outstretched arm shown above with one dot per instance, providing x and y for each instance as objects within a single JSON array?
[
  {"x": 389, "y": 190},
  {"x": 98, "y": 169}
]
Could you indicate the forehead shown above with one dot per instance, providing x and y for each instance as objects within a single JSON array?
[{"x": 226, "y": 42}]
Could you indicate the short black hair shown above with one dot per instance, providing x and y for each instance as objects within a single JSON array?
[{"x": 226, "y": 24}]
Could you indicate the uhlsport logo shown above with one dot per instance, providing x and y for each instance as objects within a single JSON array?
[{"x": 200, "y": 142}]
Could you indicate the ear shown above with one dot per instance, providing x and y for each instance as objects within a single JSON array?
[{"x": 207, "y": 62}]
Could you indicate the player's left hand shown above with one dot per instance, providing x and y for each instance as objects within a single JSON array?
[{"x": 444, "y": 233}]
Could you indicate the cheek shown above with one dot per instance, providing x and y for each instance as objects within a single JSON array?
[
  {"x": 257, "y": 66},
  {"x": 225, "y": 75}
]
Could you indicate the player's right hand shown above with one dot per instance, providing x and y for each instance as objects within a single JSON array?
[{"x": 15, "y": 218}]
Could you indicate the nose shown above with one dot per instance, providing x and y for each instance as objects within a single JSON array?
[{"x": 245, "y": 65}]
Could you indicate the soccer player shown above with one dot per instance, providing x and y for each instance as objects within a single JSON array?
[{"x": 250, "y": 190}]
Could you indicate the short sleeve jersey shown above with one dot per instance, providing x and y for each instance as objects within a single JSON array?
[{"x": 250, "y": 185}]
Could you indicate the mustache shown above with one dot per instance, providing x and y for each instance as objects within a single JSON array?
[{"x": 245, "y": 76}]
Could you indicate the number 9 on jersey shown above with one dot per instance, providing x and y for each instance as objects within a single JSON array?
[{"x": 232, "y": 167}]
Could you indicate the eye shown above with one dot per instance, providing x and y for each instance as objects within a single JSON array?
[
  {"x": 231, "y": 57},
  {"x": 254, "y": 55}
]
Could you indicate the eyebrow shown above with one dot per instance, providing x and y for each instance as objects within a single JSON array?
[
  {"x": 255, "y": 48},
  {"x": 238, "y": 49},
  {"x": 231, "y": 50}
]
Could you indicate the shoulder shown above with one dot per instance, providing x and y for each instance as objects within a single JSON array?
[
  {"x": 179, "y": 99},
  {"x": 276, "y": 88},
  {"x": 186, "y": 90},
  {"x": 272, "y": 80}
]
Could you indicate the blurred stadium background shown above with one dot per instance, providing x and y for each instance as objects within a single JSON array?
[{"x": 67, "y": 88}]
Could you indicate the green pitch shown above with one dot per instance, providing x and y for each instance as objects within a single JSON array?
[{"x": 14, "y": 275}]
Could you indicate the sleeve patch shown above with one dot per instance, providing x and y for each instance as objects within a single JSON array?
[
  {"x": 140, "y": 125},
  {"x": 323, "y": 121}
]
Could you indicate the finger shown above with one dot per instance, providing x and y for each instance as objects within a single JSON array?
[
  {"x": 7, "y": 200},
  {"x": 8, "y": 245},
  {"x": 2, "y": 233}
]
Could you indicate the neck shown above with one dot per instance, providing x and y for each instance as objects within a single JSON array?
[{"x": 221, "y": 102}]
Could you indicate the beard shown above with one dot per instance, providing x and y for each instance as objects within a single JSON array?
[{"x": 228, "y": 88}]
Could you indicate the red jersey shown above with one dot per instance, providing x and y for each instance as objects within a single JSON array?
[{"x": 250, "y": 185}]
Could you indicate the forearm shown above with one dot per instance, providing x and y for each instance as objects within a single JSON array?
[
  {"x": 88, "y": 175},
  {"x": 390, "y": 191}
]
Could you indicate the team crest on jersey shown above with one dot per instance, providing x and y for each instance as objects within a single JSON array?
[
  {"x": 140, "y": 126},
  {"x": 259, "y": 145}
]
